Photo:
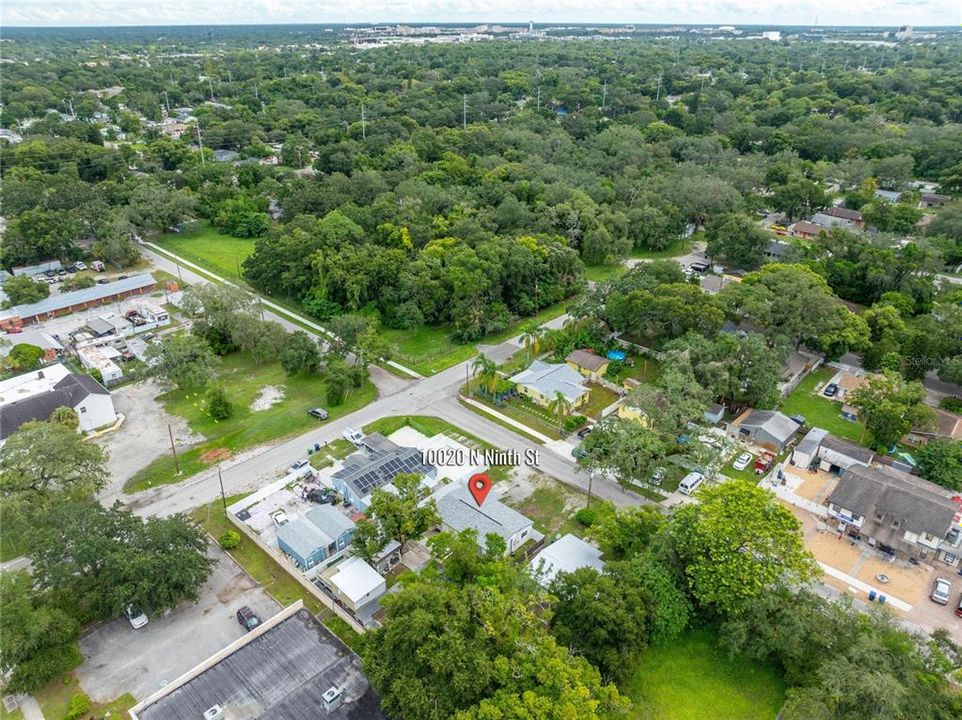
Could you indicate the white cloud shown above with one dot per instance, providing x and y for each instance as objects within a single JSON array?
[{"x": 709, "y": 12}]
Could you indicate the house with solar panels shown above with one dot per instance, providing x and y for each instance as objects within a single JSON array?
[{"x": 375, "y": 466}]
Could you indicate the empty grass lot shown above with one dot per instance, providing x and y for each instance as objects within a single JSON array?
[
  {"x": 694, "y": 679},
  {"x": 552, "y": 507},
  {"x": 209, "y": 248},
  {"x": 819, "y": 411},
  {"x": 243, "y": 381},
  {"x": 54, "y": 700}
]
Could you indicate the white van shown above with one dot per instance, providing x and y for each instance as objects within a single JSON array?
[
  {"x": 353, "y": 435},
  {"x": 690, "y": 483}
]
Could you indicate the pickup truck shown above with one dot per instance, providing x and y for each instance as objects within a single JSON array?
[{"x": 353, "y": 435}]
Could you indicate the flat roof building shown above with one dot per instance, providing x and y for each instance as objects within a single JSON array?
[
  {"x": 567, "y": 554},
  {"x": 289, "y": 668}
]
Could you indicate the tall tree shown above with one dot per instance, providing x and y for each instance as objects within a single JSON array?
[
  {"x": 737, "y": 544},
  {"x": 891, "y": 407}
]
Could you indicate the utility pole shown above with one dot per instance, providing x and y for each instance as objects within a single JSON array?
[
  {"x": 363, "y": 123},
  {"x": 210, "y": 84},
  {"x": 173, "y": 450},
  {"x": 658, "y": 93},
  {"x": 230, "y": 78},
  {"x": 167, "y": 102},
  {"x": 591, "y": 477},
  {"x": 223, "y": 496},
  {"x": 200, "y": 142},
  {"x": 464, "y": 112},
  {"x": 604, "y": 95},
  {"x": 539, "y": 98}
]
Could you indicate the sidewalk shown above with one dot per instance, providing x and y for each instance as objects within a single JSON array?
[{"x": 505, "y": 419}]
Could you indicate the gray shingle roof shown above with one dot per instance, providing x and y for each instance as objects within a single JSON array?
[
  {"x": 587, "y": 359},
  {"x": 918, "y": 505},
  {"x": 330, "y": 520},
  {"x": 773, "y": 422},
  {"x": 303, "y": 537},
  {"x": 549, "y": 379},
  {"x": 66, "y": 393},
  {"x": 849, "y": 449},
  {"x": 460, "y": 512}
]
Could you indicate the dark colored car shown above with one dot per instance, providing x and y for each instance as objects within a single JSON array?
[
  {"x": 322, "y": 497},
  {"x": 584, "y": 432},
  {"x": 248, "y": 618},
  {"x": 831, "y": 390}
]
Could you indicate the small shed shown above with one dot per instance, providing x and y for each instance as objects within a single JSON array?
[{"x": 354, "y": 583}]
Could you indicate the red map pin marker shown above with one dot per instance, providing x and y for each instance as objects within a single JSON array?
[{"x": 480, "y": 486}]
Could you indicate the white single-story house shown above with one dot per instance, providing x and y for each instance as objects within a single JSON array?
[
  {"x": 566, "y": 554},
  {"x": 541, "y": 382},
  {"x": 459, "y": 511},
  {"x": 353, "y": 582}
]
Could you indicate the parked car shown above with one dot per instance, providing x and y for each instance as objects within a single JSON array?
[
  {"x": 136, "y": 617},
  {"x": 584, "y": 432},
  {"x": 319, "y": 413},
  {"x": 321, "y": 496},
  {"x": 80, "y": 265},
  {"x": 690, "y": 483},
  {"x": 302, "y": 468},
  {"x": 658, "y": 476},
  {"x": 247, "y": 618},
  {"x": 958, "y": 609},
  {"x": 831, "y": 390},
  {"x": 940, "y": 591},
  {"x": 742, "y": 461},
  {"x": 579, "y": 453},
  {"x": 279, "y": 517},
  {"x": 353, "y": 435}
]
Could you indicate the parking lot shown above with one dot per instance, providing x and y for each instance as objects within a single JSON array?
[{"x": 119, "y": 659}]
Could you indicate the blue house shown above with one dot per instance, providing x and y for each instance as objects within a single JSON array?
[
  {"x": 377, "y": 466},
  {"x": 320, "y": 535}
]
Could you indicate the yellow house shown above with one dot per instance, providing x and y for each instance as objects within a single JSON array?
[
  {"x": 589, "y": 364},
  {"x": 541, "y": 382},
  {"x": 630, "y": 412}
]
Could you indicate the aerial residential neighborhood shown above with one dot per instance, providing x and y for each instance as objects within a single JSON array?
[{"x": 603, "y": 366}]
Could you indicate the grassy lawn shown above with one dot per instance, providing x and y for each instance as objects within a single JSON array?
[
  {"x": 209, "y": 248},
  {"x": 54, "y": 700},
  {"x": 268, "y": 572},
  {"x": 428, "y": 349},
  {"x": 243, "y": 381},
  {"x": 644, "y": 370},
  {"x": 604, "y": 273},
  {"x": 525, "y": 412},
  {"x": 694, "y": 679},
  {"x": 818, "y": 410},
  {"x": 679, "y": 247},
  {"x": 599, "y": 398},
  {"x": 552, "y": 507}
]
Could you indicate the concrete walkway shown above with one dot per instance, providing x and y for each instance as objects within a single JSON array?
[
  {"x": 30, "y": 707},
  {"x": 864, "y": 587}
]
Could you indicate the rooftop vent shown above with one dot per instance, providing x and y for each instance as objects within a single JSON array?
[
  {"x": 332, "y": 699},
  {"x": 214, "y": 713}
]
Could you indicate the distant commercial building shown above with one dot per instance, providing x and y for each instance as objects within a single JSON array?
[{"x": 69, "y": 302}]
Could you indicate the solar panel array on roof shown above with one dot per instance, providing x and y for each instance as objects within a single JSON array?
[{"x": 385, "y": 466}]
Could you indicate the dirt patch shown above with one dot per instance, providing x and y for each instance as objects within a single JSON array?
[
  {"x": 267, "y": 398},
  {"x": 216, "y": 455}
]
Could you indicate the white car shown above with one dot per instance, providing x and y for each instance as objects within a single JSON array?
[
  {"x": 279, "y": 517},
  {"x": 353, "y": 435},
  {"x": 940, "y": 591},
  {"x": 136, "y": 618},
  {"x": 80, "y": 265},
  {"x": 742, "y": 461}
]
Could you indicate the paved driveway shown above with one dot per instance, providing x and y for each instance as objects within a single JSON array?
[{"x": 119, "y": 659}]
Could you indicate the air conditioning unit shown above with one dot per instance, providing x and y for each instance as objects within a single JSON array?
[
  {"x": 332, "y": 699},
  {"x": 215, "y": 712}
]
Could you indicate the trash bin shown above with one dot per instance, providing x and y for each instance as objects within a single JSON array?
[
  {"x": 871, "y": 595},
  {"x": 881, "y": 599}
]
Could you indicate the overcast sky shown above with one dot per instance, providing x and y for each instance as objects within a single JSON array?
[{"x": 201, "y": 12}]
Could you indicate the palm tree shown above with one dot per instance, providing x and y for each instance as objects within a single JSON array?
[
  {"x": 531, "y": 337},
  {"x": 65, "y": 416},
  {"x": 486, "y": 371},
  {"x": 559, "y": 407}
]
